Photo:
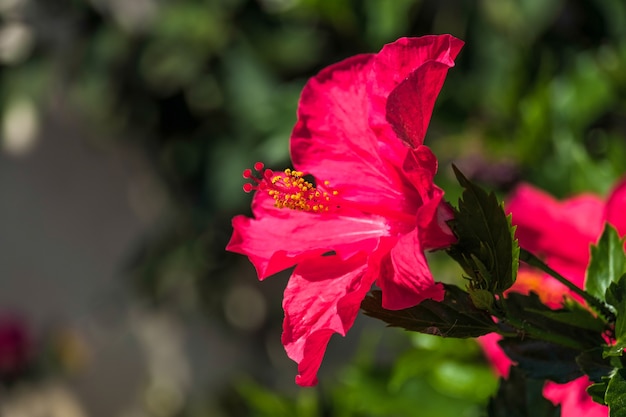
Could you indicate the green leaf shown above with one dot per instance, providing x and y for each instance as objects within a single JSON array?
[
  {"x": 455, "y": 316},
  {"x": 486, "y": 247},
  {"x": 615, "y": 396},
  {"x": 568, "y": 326},
  {"x": 607, "y": 263},
  {"x": 543, "y": 360},
  {"x": 594, "y": 302},
  {"x": 482, "y": 299},
  {"x": 582, "y": 317},
  {"x": 549, "y": 342},
  {"x": 578, "y": 317},
  {"x": 597, "y": 391},
  {"x": 616, "y": 297},
  {"x": 519, "y": 396},
  {"x": 595, "y": 364},
  {"x": 616, "y": 350}
]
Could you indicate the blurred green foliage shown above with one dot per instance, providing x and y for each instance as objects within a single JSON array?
[
  {"x": 433, "y": 377},
  {"x": 205, "y": 88}
]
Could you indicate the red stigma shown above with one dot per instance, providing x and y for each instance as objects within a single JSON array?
[{"x": 258, "y": 178}]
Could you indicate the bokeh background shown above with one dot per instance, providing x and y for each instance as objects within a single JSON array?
[{"x": 125, "y": 126}]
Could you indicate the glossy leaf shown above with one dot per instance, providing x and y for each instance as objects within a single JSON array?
[
  {"x": 455, "y": 316},
  {"x": 486, "y": 248},
  {"x": 607, "y": 263},
  {"x": 567, "y": 326},
  {"x": 549, "y": 341}
]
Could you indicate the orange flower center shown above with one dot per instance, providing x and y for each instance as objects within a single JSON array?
[{"x": 531, "y": 280}]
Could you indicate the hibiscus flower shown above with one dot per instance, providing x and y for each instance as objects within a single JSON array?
[
  {"x": 561, "y": 232},
  {"x": 372, "y": 207}
]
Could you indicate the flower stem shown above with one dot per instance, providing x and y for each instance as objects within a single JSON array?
[
  {"x": 518, "y": 327},
  {"x": 539, "y": 334},
  {"x": 594, "y": 302}
]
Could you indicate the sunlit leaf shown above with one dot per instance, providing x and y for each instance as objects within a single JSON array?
[
  {"x": 615, "y": 396},
  {"x": 607, "y": 263}
]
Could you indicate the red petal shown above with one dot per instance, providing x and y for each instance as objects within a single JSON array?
[
  {"x": 437, "y": 234},
  {"x": 278, "y": 239},
  {"x": 419, "y": 168},
  {"x": 410, "y": 105},
  {"x": 332, "y": 139},
  {"x": 405, "y": 279},
  {"x": 408, "y": 75},
  {"x": 323, "y": 297}
]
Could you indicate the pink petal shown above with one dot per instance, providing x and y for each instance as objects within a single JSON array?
[
  {"x": 585, "y": 214},
  {"x": 404, "y": 276},
  {"x": 495, "y": 354},
  {"x": 574, "y": 399},
  {"x": 410, "y": 104},
  {"x": 532, "y": 211},
  {"x": 437, "y": 233},
  {"x": 560, "y": 231},
  {"x": 616, "y": 208},
  {"x": 323, "y": 297},
  {"x": 574, "y": 271},
  {"x": 332, "y": 139},
  {"x": 417, "y": 67},
  {"x": 420, "y": 167},
  {"x": 280, "y": 238}
]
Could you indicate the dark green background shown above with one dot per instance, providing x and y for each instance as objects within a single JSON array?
[{"x": 201, "y": 90}]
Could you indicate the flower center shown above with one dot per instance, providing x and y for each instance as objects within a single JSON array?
[
  {"x": 289, "y": 189},
  {"x": 530, "y": 280}
]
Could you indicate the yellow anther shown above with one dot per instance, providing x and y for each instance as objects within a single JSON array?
[{"x": 290, "y": 190}]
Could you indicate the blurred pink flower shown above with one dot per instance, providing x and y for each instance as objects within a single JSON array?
[
  {"x": 15, "y": 347},
  {"x": 574, "y": 399},
  {"x": 560, "y": 232},
  {"x": 375, "y": 209}
]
